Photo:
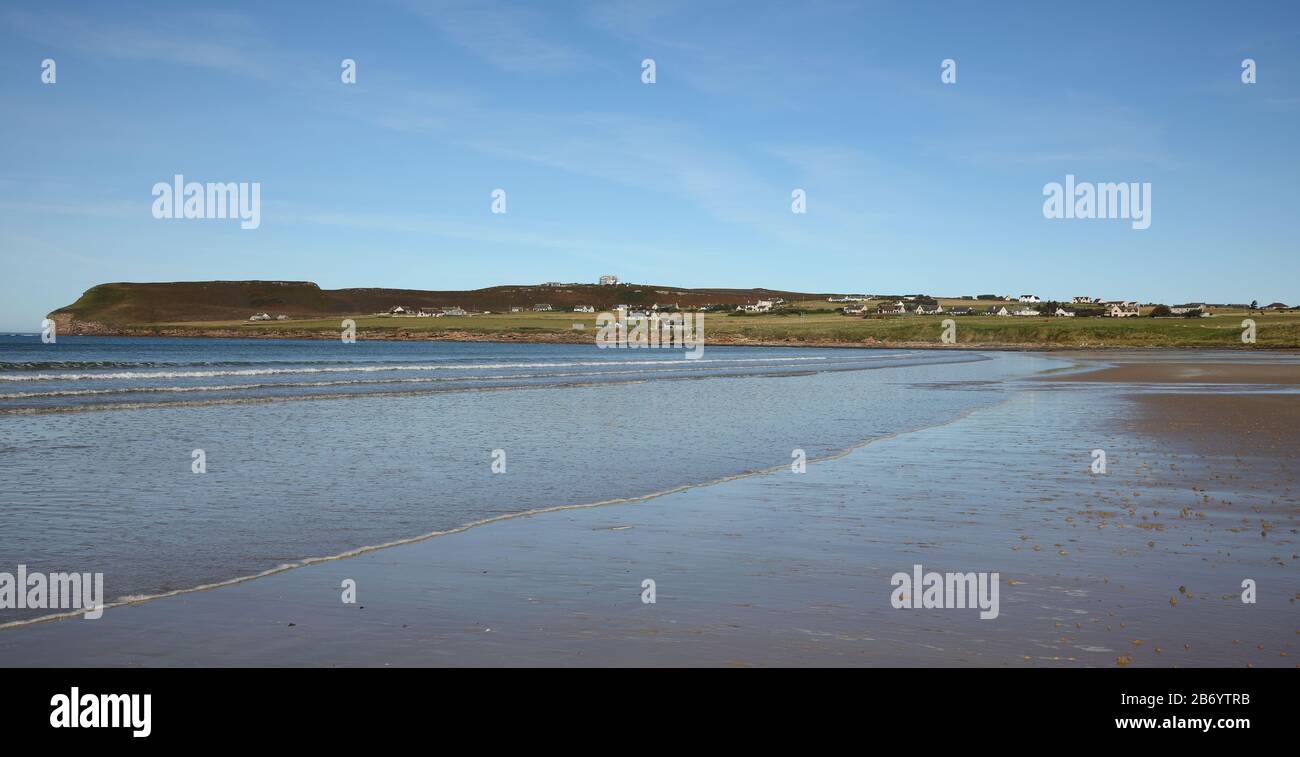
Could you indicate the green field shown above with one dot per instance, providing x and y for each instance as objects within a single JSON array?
[{"x": 1224, "y": 329}]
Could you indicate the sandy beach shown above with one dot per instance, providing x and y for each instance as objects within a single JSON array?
[{"x": 1140, "y": 566}]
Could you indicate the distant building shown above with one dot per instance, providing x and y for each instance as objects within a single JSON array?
[
  {"x": 1191, "y": 307},
  {"x": 282, "y": 317},
  {"x": 584, "y": 309},
  {"x": 608, "y": 280},
  {"x": 1029, "y": 298},
  {"x": 454, "y": 310},
  {"x": 1121, "y": 310},
  {"x": 552, "y": 284},
  {"x": 999, "y": 310},
  {"x": 1062, "y": 312},
  {"x": 542, "y": 308},
  {"x": 1026, "y": 313},
  {"x": 259, "y": 317},
  {"x": 762, "y": 306},
  {"x": 927, "y": 309},
  {"x": 1084, "y": 300},
  {"x": 959, "y": 311},
  {"x": 516, "y": 309}
]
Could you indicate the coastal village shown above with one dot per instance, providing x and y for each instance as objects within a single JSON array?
[{"x": 1025, "y": 306}]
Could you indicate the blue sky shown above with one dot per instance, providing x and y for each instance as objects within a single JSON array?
[{"x": 912, "y": 185}]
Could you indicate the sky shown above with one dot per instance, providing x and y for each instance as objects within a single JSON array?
[{"x": 912, "y": 185}]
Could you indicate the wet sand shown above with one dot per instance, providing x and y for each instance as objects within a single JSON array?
[
  {"x": 1239, "y": 425},
  {"x": 1193, "y": 373},
  {"x": 1141, "y": 566}
]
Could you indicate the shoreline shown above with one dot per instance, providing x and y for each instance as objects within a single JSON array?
[{"x": 584, "y": 337}]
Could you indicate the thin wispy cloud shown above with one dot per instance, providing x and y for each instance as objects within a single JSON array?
[
  {"x": 512, "y": 38},
  {"x": 739, "y": 62},
  {"x": 218, "y": 41}
]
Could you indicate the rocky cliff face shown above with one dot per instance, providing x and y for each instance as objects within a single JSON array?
[{"x": 66, "y": 323}]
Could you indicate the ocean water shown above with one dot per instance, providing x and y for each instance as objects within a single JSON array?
[{"x": 315, "y": 448}]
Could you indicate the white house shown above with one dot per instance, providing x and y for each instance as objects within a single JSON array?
[
  {"x": 584, "y": 309},
  {"x": 542, "y": 308},
  {"x": 999, "y": 310},
  {"x": 1193, "y": 307},
  {"x": 1029, "y": 298},
  {"x": 260, "y": 317},
  {"x": 763, "y": 306},
  {"x": 608, "y": 280},
  {"x": 1117, "y": 310},
  {"x": 1026, "y": 312},
  {"x": 924, "y": 309},
  {"x": 1063, "y": 313},
  {"x": 1084, "y": 300}
]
